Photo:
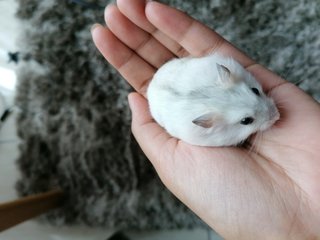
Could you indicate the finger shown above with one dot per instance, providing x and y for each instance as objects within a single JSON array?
[
  {"x": 132, "y": 67},
  {"x": 135, "y": 11},
  {"x": 200, "y": 40},
  {"x": 143, "y": 43},
  {"x": 151, "y": 137},
  {"x": 195, "y": 37}
]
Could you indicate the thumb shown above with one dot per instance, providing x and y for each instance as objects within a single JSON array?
[{"x": 152, "y": 138}]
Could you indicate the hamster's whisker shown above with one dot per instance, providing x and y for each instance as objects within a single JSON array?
[
  {"x": 259, "y": 140},
  {"x": 253, "y": 144},
  {"x": 252, "y": 147}
]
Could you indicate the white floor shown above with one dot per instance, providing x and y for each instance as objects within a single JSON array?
[
  {"x": 8, "y": 140},
  {"x": 9, "y": 30}
]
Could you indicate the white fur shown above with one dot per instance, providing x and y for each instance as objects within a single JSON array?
[{"x": 184, "y": 89}]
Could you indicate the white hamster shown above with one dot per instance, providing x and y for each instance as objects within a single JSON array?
[{"x": 209, "y": 101}]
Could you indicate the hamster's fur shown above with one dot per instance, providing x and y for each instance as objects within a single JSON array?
[{"x": 209, "y": 101}]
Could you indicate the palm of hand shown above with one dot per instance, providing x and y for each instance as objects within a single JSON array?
[{"x": 239, "y": 192}]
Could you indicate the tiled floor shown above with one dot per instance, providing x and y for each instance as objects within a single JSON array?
[{"x": 9, "y": 29}]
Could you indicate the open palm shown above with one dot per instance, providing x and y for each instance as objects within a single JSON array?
[{"x": 270, "y": 193}]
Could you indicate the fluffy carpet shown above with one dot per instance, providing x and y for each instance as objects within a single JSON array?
[{"x": 74, "y": 121}]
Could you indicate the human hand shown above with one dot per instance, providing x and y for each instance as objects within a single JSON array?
[{"x": 270, "y": 193}]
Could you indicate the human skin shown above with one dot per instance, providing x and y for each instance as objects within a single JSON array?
[{"x": 270, "y": 191}]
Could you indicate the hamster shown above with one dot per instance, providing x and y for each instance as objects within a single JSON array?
[{"x": 209, "y": 101}]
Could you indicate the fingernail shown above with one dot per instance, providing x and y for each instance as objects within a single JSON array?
[{"x": 94, "y": 26}]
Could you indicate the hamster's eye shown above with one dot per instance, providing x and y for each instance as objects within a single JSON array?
[
  {"x": 247, "y": 121},
  {"x": 255, "y": 91}
]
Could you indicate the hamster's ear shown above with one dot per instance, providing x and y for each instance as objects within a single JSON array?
[
  {"x": 207, "y": 120},
  {"x": 225, "y": 76}
]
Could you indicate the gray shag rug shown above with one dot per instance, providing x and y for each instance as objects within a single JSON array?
[{"x": 74, "y": 121}]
